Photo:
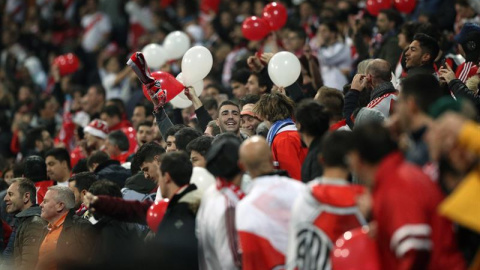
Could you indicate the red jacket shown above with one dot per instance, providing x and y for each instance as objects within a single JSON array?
[
  {"x": 288, "y": 151},
  {"x": 411, "y": 233}
]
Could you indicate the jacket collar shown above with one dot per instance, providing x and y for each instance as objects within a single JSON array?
[
  {"x": 106, "y": 164},
  {"x": 178, "y": 196},
  {"x": 34, "y": 210},
  {"x": 382, "y": 89}
]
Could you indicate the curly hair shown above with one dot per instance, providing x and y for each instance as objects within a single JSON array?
[{"x": 274, "y": 107}]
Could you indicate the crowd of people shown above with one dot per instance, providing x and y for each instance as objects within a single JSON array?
[{"x": 378, "y": 132}]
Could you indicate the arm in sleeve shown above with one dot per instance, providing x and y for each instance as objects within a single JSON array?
[
  {"x": 203, "y": 117},
  {"x": 30, "y": 242},
  {"x": 351, "y": 102},
  {"x": 459, "y": 89},
  {"x": 163, "y": 122},
  {"x": 123, "y": 210}
]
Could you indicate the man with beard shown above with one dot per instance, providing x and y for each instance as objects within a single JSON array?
[
  {"x": 229, "y": 119},
  {"x": 421, "y": 55},
  {"x": 144, "y": 133}
]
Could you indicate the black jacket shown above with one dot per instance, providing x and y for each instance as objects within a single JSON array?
[
  {"x": 459, "y": 89},
  {"x": 175, "y": 244},
  {"x": 311, "y": 168},
  {"x": 28, "y": 237},
  {"x": 111, "y": 170}
]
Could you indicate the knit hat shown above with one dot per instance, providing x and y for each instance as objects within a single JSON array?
[
  {"x": 248, "y": 110},
  {"x": 469, "y": 39},
  {"x": 222, "y": 157},
  {"x": 97, "y": 128}
]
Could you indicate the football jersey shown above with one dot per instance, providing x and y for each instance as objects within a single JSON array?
[
  {"x": 321, "y": 214},
  {"x": 262, "y": 220}
]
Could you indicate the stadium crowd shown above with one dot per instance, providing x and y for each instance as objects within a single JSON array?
[{"x": 369, "y": 160}]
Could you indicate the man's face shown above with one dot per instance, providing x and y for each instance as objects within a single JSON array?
[
  {"x": 252, "y": 86},
  {"x": 50, "y": 109},
  {"x": 383, "y": 23},
  {"x": 198, "y": 160},
  {"x": 414, "y": 55},
  {"x": 56, "y": 170},
  {"x": 250, "y": 123},
  {"x": 151, "y": 170},
  {"x": 139, "y": 115},
  {"x": 144, "y": 135},
  {"x": 46, "y": 143},
  {"x": 111, "y": 120},
  {"x": 229, "y": 119},
  {"x": 50, "y": 206},
  {"x": 325, "y": 33},
  {"x": 239, "y": 90},
  {"x": 91, "y": 100},
  {"x": 13, "y": 199},
  {"x": 78, "y": 195},
  {"x": 92, "y": 141},
  {"x": 111, "y": 149},
  {"x": 171, "y": 144},
  {"x": 294, "y": 42}
]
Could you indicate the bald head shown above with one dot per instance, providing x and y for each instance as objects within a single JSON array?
[
  {"x": 380, "y": 70},
  {"x": 256, "y": 156}
]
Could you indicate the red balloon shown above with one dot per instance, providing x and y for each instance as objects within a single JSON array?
[
  {"x": 155, "y": 214},
  {"x": 276, "y": 15},
  {"x": 207, "y": 6},
  {"x": 255, "y": 28},
  {"x": 355, "y": 250},
  {"x": 67, "y": 63},
  {"x": 374, "y": 6},
  {"x": 405, "y": 6},
  {"x": 167, "y": 82}
]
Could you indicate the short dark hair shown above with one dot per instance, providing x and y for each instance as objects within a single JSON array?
[
  {"x": 210, "y": 104},
  {"x": 302, "y": 35},
  {"x": 105, "y": 187},
  {"x": 145, "y": 123},
  {"x": 409, "y": 29},
  {"x": 98, "y": 157},
  {"x": 313, "y": 118},
  {"x": 240, "y": 76},
  {"x": 25, "y": 185},
  {"x": 263, "y": 81},
  {"x": 331, "y": 25},
  {"x": 393, "y": 16},
  {"x": 119, "y": 139},
  {"x": 428, "y": 45},
  {"x": 147, "y": 106},
  {"x": 118, "y": 102},
  {"x": 373, "y": 142},
  {"x": 335, "y": 147},
  {"x": 81, "y": 166},
  {"x": 178, "y": 165},
  {"x": 83, "y": 180},
  {"x": 173, "y": 129},
  {"x": 147, "y": 152},
  {"x": 425, "y": 89},
  {"x": 112, "y": 110},
  {"x": 35, "y": 169},
  {"x": 200, "y": 145},
  {"x": 228, "y": 102},
  {"x": 249, "y": 99},
  {"x": 184, "y": 136},
  {"x": 60, "y": 154}
]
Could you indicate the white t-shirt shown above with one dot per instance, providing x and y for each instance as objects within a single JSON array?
[{"x": 95, "y": 26}]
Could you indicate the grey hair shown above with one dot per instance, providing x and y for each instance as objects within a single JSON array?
[
  {"x": 362, "y": 66},
  {"x": 64, "y": 195}
]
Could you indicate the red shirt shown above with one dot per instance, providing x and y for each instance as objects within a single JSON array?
[
  {"x": 42, "y": 188},
  {"x": 411, "y": 233},
  {"x": 288, "y": 151}
]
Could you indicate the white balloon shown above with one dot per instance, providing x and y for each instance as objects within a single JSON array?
[
  {"x": 202, "y": 178},
  {"x": 176, "y": 44},
  {"x": 196, "y": 64},
  {"x": 284, "y": 69},
  {"x": 155, "y": 55},
  {"x": 180, "y": 102},
  {"x": 198, "y": 86}
]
